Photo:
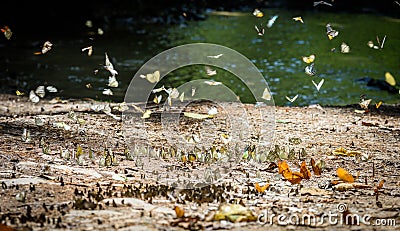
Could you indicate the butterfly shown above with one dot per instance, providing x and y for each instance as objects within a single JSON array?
[
  {"x": 17, "y": 92},
  {"x": 40, "y": 91},
  {"x": 7, "y": 32},
  {"x": 292, "y": 99},
  {"x": 309, "y": 59},
  {"x": 215, "y": 56},
  {"x": 182, "y": 96},
  {"x": 180, "y": 212},
  {"x": 146, "y": 114},
  {"x": 193, "y": 91},
  {"x": 383, "y": 41},
  {"x": 310, "y": 70},
  {"x": 292, "y": 177},
  {"x": 152, "y": 77},
  {"x": 157, "y": 99},
  {"x": 26, "y": 136},
  {"x": 330, "y": 32},
  {"x": 51, "y": 89},
  {"x": 319, "y": 85},
  {"x": 344, "y": 175},
  {"x": 271, "y": 21},
  {"x": 390, "y": 79},
  {"x": 212, "y": 83},
  {"x": 266, "y": 94},
  {"x": 89, "y": 49},
  {"x": 316, "y": 168},
  {"x": 322, "y": 2},
  {"x": 112, "y": 81},
  {"x": 258, "y": 13},
  {"x": 261, "y": 189},
  {"x": 226, "y": 138},
  {"x": 46, "y": 47},
  {"x": 344, "y": 48},
  {"x": 260, "y": 31},
  {"x": 377, "y": 105},
  {"x": 109, "y": 66},
  {"x": 107, "y": 92},
  {"x": 365, "y": 103},
  {"x": 298, "y": 19},
  {"x": 209, "y": 71}
]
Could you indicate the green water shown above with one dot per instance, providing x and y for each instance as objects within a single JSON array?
[{"x": 277, "y": 54}]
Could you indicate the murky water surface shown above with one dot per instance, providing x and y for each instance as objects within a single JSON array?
[{"x": 278, "y": 55}]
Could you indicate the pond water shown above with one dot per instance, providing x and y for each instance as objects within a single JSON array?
[{"x": 277, "y": 54}]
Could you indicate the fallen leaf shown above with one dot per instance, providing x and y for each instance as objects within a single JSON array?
[{"x": 344, "y": 175}]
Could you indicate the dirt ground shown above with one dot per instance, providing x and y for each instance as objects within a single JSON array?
[{"x": 48, "y": 183}]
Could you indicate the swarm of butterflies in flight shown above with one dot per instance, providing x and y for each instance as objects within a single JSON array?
[
  {"x": 35, "y": 95},
  {"x": 310, "y": 68}
]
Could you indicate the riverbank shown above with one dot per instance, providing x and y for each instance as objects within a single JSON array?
[{"x": 45, "y": 189}]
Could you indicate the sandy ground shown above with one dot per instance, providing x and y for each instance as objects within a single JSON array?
[{"x": 46, "y": 183}]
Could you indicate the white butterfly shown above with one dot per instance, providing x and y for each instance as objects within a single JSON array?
[
  {"x": 319, "y": 85},
  {"x": 292, "y": 99},
  {"x": 193, "y": 91},
  {"x": 157, "y": 99},
  {"x": 215, "y": 56},
  {"x": 107, "y": 92},
  {"x": 260, "y": 31},
  {"x": 310, "y": 70},
  {"x": 89, "y": 49},
  {"x": 271, "y": 21},
  {"x": 26, "y": 136},
  {"x": 51, "y": 89},
  {"x": 266, "y": 94},
  {"x": 213, "y": 111},
  {"x": 209, "y": 71},
  {"x": 344, "y": 48},
  {"x": 365, "y": 103},
  {"x": 182, "y": 96},
  {"x": 212, "y": 83},
  {"x": 40, "y": 91},
  {"x": 152, "y": 77},
  {"x": 109, "y": 66},
  {"x": 112, "y": 81},
  {"x": 46, "y": 47}
]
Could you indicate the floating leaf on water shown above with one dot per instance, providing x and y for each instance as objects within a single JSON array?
[
  {"x": 390, "y": 79},
  {"x": 152, "y": 77},
  {"x": 299, "y": 19},
  {"x": 344, "y": 175},
  {"x": 196, "y": 115}
]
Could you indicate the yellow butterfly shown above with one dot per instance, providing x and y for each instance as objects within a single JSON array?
[
  {"x": 390, "y": 79},
  {"x": 377, "y": 105},
  {"x": 364, "y": 103},
  {"x": 309, "y": 59},
  {"x": 258, "y": 13},
  {"x": 266, "y": 94},
  {"x": 19, "y": 93},
  {"x": 298, "y": 19}
]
